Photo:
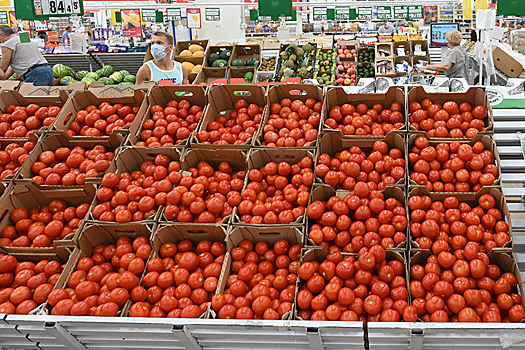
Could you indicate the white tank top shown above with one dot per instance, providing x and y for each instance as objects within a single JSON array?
[{"x": 158, "y": 74}]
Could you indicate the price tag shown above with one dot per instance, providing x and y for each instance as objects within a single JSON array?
[
  {"x": 3, "y": 17},
  {"x": 320, "y": 13},
  {"x": 213, "y": 14},
  {"x": 384, "y": 12},
  {"x": 148, "y": 16},
  {"x": 342, "y": 13},
  {"x": 57, "y": 7},
  {"x": 364, "y": 12},
  {"x": 174, "y": 15}
]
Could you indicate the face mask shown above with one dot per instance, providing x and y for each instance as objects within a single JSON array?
[{"x": 158, "y": 51}]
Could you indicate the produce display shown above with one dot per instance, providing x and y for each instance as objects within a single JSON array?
[
  {"x": 325, "y": 62},
  {"x": 366, "y": 55},
  {"x": 449, "y": 120},
  {"x": 481, "y": 228},
  {"x": 19, "y": 121},
  {"x": 208, "y": 195},
  {"x": 260, "y": 283},
  {"x": 348, "y": 167},
  {"x": 235, "y": 129},
  {"x": 219, "y": 60},
  {"x": 341, "y": 288},
  {"x": 344, "y": 52},
  {"x": 346, "y": 74},
  {"x": 277, "y": 193},
  {"x": 102, "y": 120},
  {"x": 105, "y": 75},
  {"x": 24, "y": 285},
  {"x": 450, "y": 167},
  {"x": 12, "y": 156},
  {"x": 40, "y": 227},
  {"x": 171, "y": 125},
  {"x": 296, "y": 61},
  {"x": 252, "y": 61},
  {"x": 69, "y": 167},
  {"x": 363, "y": 121},
  {"x": 363, "y": 219},
  {"x": 267, "y": 64},
  {"x": 292, "y": 124},
  {"x": 181, "y": 282}
]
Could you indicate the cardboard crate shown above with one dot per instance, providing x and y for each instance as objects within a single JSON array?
[
  {"x": 419, "y": 59},
  {"x": 325, "y": 192},
  {"x": 161, "y": 95},
  {"x": 382, "y": 48},
  {"x": 350, "y": 45},
  {"x": 424, "y": 47},
  {"x": 217, "y": 49},
  {"x": 332, "y": 143},
  {"x": 4, "y": 142},
  {"x": 338, "y": 96},
  {"x": 210, "y": 75},
  {"x": 506, "y": 63},
  {"x": 475, "y": 96},
  {"x": 402, "y": 45},
  {"x": 221, "y": 100},
  {"x": 470, "y": 199},
  {"x": 184, "y": 45},
  {"x": 244, "y": 52},
  {"x": 51, "y": 142},
  {"x": 236, "y": 75},
  {"x": 112, "y": 94},
  {"x": 294, "y": 92},
  {"x": 99, "y": 89},
  {"x": 398, "y": 60},
  {"x": 384, "y": 67},
  {"x": 30, "y": 196},
  {"x": 486, "y": 140},
  {"x": 28, "y": 89},
  {"x": 9, "y": 85}
]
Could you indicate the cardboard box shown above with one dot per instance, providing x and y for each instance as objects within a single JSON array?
[
  {"x": 236, "y": 75},
  {"x": 271, "y": 44},
  {"x": 506, "y": 63},
  {"x": 332, "y": 143},
  {"x": 112, "y": 94},
  {"x": 471, "y": 200},
  {"x": 161, "y": 95},
  {"x": 210, "y": 75},
  {"x": 99, "y": 89},
  {"x": 221, "y": 100},
  {"x": 384, "y": 50},
  {"x": 184, "y": 45},
  {"x": 475, "y": 96},
  {"x": 414, "y": 45},
  {"x": 30, "y": 196},
  {"x": 325, "y": 192},
  {"x": 217, "y": 49},
  {"x": 420, "y": 60},
  {"x": 294, "y": 92},
  {"x": 9, "y": 85},
  {"x": 511, "y": 96},
  {"x": 405, "y": 45},
  {"x": 400, "y": 60},
  {"x": 384, "y": 67},
  {"x": 243, "y": 52},
  {"x": 28, "y": 89},
  {"x": 338, "y": 96},
  {"x": 52, "y": 142},
  {"x": 4, "y": 142}
]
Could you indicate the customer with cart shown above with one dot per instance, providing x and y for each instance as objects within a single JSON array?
[{"x": 24, "y": 59}]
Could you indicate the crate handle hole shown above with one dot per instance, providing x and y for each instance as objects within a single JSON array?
[
  {"x": 298, "y": 92},
  {"x": 183, "y": 93},
  {"x": 242, "y": 93}
]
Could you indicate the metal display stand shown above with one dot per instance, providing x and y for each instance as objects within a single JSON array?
[
  {"x": 129, "y": 61},
  {"x": 76, "y": 61}
]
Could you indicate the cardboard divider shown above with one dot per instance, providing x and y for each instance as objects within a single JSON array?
[
  {"x": 487, "y": 141},
  {"x": 29, "y": 196},
  {"x": 337, "y": 96},
  {"x": 9, "y": 85},
  {"x": 332, "y": 143},
  {"x": 470, "y": 199},
  {"x": 325, "y": 192},
  {"x": 20, "y": 142},
  {"x": 243, "y": 52},
  {"x": 217, "y": 49},
  {"x": 475, "y": 96},
  {"x": 82, "y": 99},
  {"x": 55, "y": 140},
  {"x": 161, "y": 95},
  {"x": 294, "y": 92},
  {"x": 221, "y": 100}
]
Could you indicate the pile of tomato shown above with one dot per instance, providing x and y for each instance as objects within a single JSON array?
[
  {"x": 450, "y": 167},
  {"x": 451, "y": 225},
  {"x": 103, "y": 283},
  {"x": 39, "y": 227},
  {"x": 360, "y": 220},
  {"x": 69, "y": 167},
  {"x": 102, "y": 120},
  {"x": 341, "y": 288},
  {"x": 206, "y": 195},
  {"x": 363, "y": 121},
  {"x": 24, "y": 285},
  {"x": 277, "y": 193},
  {"x": 466, "y": 288},
  {"x": 235, "y": 129},
  {"x": 19, "y": 121},
  {"x": 171, "y": 125},
  {"x": 382, "y": 167},
  {"x": 13, "y": 156},
  {"x": 261, "y": 283},
  {"x": 292, "y": 124},
  {"x": 136, "y": 196},
  {"x": 181, "y": 282},
  {"x": 447, "y": 120}
]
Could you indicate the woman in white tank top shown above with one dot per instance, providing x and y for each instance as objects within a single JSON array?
[{"x": 162, "y": 67}]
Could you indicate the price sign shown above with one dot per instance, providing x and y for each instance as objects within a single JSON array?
[
  {"x": 40, "y": 26},
  {"x": 148, "y": 16},
  {"x": 400, "y": 12},
  {"x": 342, "y": 13},
  {"x": 320, "y": 13},
  {"x": 415, "y": 11},
  {"x": 57, "y": 7},
  {"x": 384, "y": 12},
  {"x": 213, "y": 14},
  {"x": 3, "y": 17},
  {"x": 193, "y": 17},
  {"x": 364, "y": 12},
  {"x": 173, "y": 15}
]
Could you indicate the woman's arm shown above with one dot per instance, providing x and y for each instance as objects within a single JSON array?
[{"x": 439, "y": 67}]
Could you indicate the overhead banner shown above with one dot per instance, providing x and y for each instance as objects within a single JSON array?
[
  {"x": 173, "y": 14},
  {"x": 384, "y": 12},
  {"x": 467, "y": 10},
  {"x": 342, "y": 13},
  {"x": 365, "y": 12},
  {"x": 320, "y": 14},
  {"x": 131, "y": 24},
  {"x": 415, "y": 12},
  {"x": 400, "y": 12},
  {"x": 193, "y": 17}
]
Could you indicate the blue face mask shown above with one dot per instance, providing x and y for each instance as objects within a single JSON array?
[{"x": 158, "y": 51}]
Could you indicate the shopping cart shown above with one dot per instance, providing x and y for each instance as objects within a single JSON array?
[{"x": 415, "y": 77}]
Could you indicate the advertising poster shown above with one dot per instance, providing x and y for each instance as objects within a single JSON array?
[
  {"x": 131, "y": 24},
  {"x": 431, "y": 14},
  {"x": 193, "y": 17}
]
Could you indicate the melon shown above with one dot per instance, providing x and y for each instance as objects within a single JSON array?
[
  {"x": 198, "y": 53},
  {"x": 196, "y": 69},
  {"x": 195, "y": 48},
  {"x": 189, "y": 66},
  {"x": 186, "y": 53}
]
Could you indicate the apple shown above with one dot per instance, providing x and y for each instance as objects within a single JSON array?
[
  {"x": 347, "y": 82},
  {"x": 340, "y": 81}
]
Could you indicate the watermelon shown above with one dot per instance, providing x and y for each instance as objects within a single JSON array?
[
  {"x": 88, "y": 80},
  {"x": 238, "y": 63},
  {"x": 130, "y": 79},
  {"x": 219, "y": 63},
  {"x": 126, "y": 83},
  {"x": 81, "y": 74},
  {"x": 213, "y": 57},
  {"x": 93, "y": 76},
  {"x": 70, "y": 71},
  {"x": 124, "y": 73},
  {"x": 106, "y": 71},
  {"x": 106, "y": 81},
  {"x": 13, "y": 77},
  {"x": 99, "y": 72},
  {"x": 60, "y": 70},
  {"x": 117, "y": 77},
  {"x": 65, "y": 81}
]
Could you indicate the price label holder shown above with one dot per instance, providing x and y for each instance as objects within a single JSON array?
[{"x": 43, "y": 9}]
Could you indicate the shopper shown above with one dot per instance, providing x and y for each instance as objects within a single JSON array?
[
  {"x": 65, "y": 35},
  {"x": 42, "y": 35},
  {"x": 162, "y": 67},
  {"x": 386, "y": 29},
  {"x": 455, "y": 64},
  {"x": 24, "y": 59}
]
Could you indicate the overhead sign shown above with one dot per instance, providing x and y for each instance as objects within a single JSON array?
[
  {"x": 342, "y": 13},
  {"x": 131, "y": 24},
  {"x": 40, "y": 26},
  {"x": 148, "y": 15},
  {"x": 57, "y": 7},
  {"x": 400, "y": 12},
  {"x": 275, "y": 8},
  {"x": 193, "y": 17},
  {"x": 213, "y": 14},
  {"x": 384, "y": 12},
  {"x": 320, "y": 13},
  {"x": 4, "y": 18},
  {"x": 415, "y": 12},
  {"x": 364, "y": 12},
  {"x": 173, "y": 14}
]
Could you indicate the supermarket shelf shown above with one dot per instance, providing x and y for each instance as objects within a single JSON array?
[
  {"x": 77, "y": 62},
  {"x": 121, "y": 61}
]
